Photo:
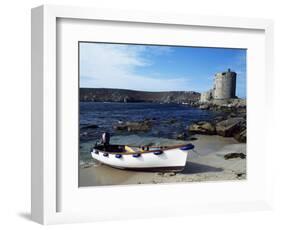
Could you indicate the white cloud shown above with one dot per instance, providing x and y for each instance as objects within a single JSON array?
[{"x": 114, "y": 66}]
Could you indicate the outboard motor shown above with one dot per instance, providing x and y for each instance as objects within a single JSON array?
[{"x": 105, "y": 139}]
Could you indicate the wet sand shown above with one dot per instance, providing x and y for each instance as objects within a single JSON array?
[{"x": 206, "y": 163}]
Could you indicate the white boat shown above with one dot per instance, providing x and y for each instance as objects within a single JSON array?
[{"x": 142, "y": 158}]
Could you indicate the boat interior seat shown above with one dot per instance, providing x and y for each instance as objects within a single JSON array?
[{"x": 129, "y": 149}]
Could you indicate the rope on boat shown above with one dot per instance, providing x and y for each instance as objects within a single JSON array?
[{"x": 154, "y": 146}]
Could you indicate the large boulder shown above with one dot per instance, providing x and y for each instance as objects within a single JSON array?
[
  {"x": 138, "y": 126},
  {"x": 202, "y": 127},
  {"x": 241, "y": 136},
  {"x": 133, "y": 126},
  {"x": 234, "y": 155},
  {"x": 230, "y": 127}
]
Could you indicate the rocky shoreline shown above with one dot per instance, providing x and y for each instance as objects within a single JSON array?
[{"x": 232, "y": 124}]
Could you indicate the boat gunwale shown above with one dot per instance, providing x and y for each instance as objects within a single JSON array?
[{"x": 164, "y": 148}]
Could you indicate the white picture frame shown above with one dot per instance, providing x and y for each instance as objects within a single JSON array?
[{"x": 47, "y": 182}]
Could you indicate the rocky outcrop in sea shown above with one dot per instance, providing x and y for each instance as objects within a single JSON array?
[
  {"x": 232, "y": 124},
  {"x": 133, "y": 126}
]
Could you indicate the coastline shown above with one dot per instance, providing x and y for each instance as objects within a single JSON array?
[{"x": 207, "y": 163}]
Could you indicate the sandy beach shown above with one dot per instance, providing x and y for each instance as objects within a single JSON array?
[{"x": 205, "y": 163}]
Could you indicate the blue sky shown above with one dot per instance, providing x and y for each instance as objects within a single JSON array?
[{"x": 158, "y": 68}]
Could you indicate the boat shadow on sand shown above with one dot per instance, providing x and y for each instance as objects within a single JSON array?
[
  {"x": 193, "y": 168},
  {"x": 190, "y": 168}
]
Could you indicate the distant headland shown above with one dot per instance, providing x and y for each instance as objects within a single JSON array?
[{"x": 129, "y": 96}]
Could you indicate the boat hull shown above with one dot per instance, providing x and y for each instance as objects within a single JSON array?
[{"x": 169, "y": 160}]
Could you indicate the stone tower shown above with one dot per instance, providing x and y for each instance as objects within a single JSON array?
[
  {"x": 224, "y": 85},
  {"x": 206, "y": 96}
]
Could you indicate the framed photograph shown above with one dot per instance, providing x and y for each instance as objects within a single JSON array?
[
  {"x": 138, "y": 115},
  {"x": 148, "y": 108}
]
